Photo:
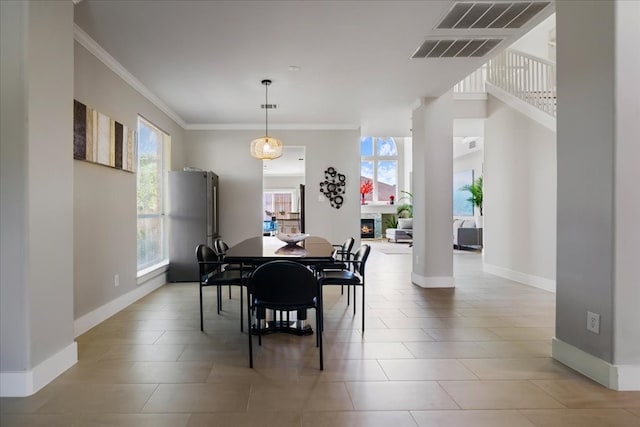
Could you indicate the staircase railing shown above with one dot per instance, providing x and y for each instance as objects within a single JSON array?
[
  {"x": 473, "y": 83},
  {"x": 526, "y": 77}
]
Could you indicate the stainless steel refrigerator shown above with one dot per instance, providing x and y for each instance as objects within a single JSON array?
[{"x": 193, "y": 219}]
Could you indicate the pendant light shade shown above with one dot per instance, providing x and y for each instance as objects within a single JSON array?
[{"x": 266, "y": 147}]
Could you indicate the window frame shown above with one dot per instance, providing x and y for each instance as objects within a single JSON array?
[
  {"x": 164, "y": 162},
  {"x": 375, "y": 159}
]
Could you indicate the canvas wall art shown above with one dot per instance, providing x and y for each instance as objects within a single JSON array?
[
  {"x": 461, "y": 206},
  {"x": 97, "y": 138}
]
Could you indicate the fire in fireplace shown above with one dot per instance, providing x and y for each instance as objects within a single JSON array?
[{"x": 367, "y": 230}]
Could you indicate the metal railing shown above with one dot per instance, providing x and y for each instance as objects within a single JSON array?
[{"x": 531, "y": 79}]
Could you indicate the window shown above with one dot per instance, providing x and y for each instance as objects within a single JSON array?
[
  {"x": 153, "y": 146},
  {"x": 379, "y": 164}
]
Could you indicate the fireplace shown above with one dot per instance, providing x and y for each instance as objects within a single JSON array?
[{"x": 367, "y": 228}]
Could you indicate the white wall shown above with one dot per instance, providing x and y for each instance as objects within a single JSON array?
[
  {"x": 519, "y": 196},
  {"x": 105, "y": 198},
  {"x": 227, "y": 154},
  {"x": 536, "y": 41}
]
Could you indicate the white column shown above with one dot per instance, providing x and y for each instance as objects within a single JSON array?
[
  {"x": 433, "y": 193},
  {"x": 36, "y": 307},
  {"x": 598, "y": 229}
]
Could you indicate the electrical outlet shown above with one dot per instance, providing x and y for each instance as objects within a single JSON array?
[
  {"x": 116, "y": 280},
  {"x": 593, "y": 322}
]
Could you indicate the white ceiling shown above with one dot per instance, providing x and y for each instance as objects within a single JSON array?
[{"x": 205, "y": 59}]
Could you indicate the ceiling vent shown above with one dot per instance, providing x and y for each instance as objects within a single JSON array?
[
  {"x": 483, "y": 15},
  {"x": 456, "y": 48}
]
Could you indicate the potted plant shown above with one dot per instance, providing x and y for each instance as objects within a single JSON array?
[
  {"x": 475, "y": 188},
  {"x": 405, "y": 210}
]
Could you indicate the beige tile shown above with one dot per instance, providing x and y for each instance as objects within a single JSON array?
[
  {"x": 84, "y": 398},
  {"x": 584, "y": 393},
  {"x": 395, "y": 335},
  {"x": 634, "y": 411},
  {"x": 517, "y": 349},
  {"x": 429, "y": 312},
  {"x": 347, "y": 370},
  {"x": 426, "y": 369},
  {"x": 145, "y": 353},
  {"x": 198, "y": 398},
  {"x": 250, "y": 419},
  {"x": 38, "y": 420},
  {"x": 498, "y": 395},
  {"x": 133, "y": 420},
  {"x": 223, "y": 372},
  {"x": 581, "y": 417},
  {"x": 486, "y": 418},
  {"x": 518, "y": 369},
  {"x": 272, "y": 397},
  {"x": 369, "y": 350},
  {"x": 359, "y": 419},
  {"x": 27, "y": 404},
  {"x": 463, "y": 334},
  {"x": 399, "y": 395},
  {"x": 523, "y": 334},
  {"x": 169, "y": 372},
  {"x": 448, "y": 349},
  {"x": 329, "y": 396}
]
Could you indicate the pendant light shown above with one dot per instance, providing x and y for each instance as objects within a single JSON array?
[{"x": 266, "y": 147}]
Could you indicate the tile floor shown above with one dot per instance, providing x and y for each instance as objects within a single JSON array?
[{"x": 476, "y": 355}]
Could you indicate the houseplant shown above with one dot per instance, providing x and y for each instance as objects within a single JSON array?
[
  {"x": 405, "y": 210},
  {"x": 475, "y": 188}
]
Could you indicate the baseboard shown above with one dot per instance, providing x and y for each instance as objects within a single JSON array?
[
  {"x": 516, "y": 276},
  {"x": 100, "y": 314},
  {"x": 26, "y": 383},
  {"x": 433, "y": 281},
  {"x": 616, "y": 377}
]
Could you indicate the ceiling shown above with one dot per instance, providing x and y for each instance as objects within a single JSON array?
[
  {"x": 204, "y": 60},
  {"x": 291, "y": 163}
]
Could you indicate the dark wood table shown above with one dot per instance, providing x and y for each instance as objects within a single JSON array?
[
  {"x": 313, "y": 251},
  {"x": 258, "y": 250}
]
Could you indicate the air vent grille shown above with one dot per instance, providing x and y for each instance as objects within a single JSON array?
[
  {"x": 456, "y": 48},
  {"x": 491, "y": 15},
  {"x": 268, "y": 106}
]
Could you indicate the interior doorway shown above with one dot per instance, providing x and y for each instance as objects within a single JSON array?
[{"x": 283, "y": 181}]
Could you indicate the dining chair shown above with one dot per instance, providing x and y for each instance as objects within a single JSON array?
[
  {"x": 341, "y": 255},
  {"x": 354, "y": 276},
  {"x": 213, "y": 273},
  {"x": 282, "y": 286},
  {"x": 221, "y": 247}
]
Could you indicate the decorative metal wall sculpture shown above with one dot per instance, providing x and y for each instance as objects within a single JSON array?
[{"x": 333, "y": 187}]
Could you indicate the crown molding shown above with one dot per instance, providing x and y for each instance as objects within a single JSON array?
[
  {"x": 98, "y": 51},
  {"x": 283, "y": 126}
]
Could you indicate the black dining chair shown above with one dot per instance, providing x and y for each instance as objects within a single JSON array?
[
  {"x": 212, "y": 272},
  {"x": 221, "y": 247},
  {"x": 282, "y": 286},
  {"x": 341, "y": 255},
  {"x": 355, "y": 276}
]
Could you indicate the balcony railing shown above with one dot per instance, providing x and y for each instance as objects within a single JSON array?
[
  {"x": 531, "y": 79},
  {"x": 526, "y": 77}
]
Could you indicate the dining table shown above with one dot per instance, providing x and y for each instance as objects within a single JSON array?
[{"x": 313, "y": 251}]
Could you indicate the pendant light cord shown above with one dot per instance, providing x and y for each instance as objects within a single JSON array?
[{"x": 266, "y": 109}]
